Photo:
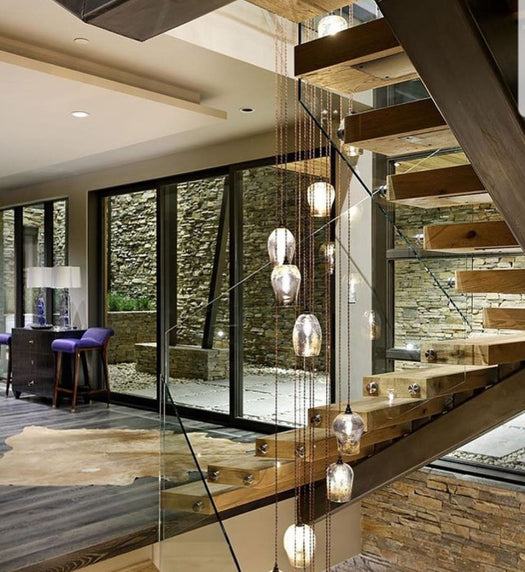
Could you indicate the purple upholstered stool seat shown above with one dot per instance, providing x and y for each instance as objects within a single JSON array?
[
  {"x": 5, "y": 340},
  {"x": 93, "y": 339}
]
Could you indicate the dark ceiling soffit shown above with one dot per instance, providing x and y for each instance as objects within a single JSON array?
[
  {"x": 140, "y": 19},
  {"x": 450, "y": 55}
]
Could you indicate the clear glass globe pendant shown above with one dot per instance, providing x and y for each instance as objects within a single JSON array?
[
  {"x": 339, "y": 481},
  {"x": 348, "y": 428},
  {"x": 307, "y": 335},
  {"x": 299, "y": 544},
  {"x": 286, "y": 281},
  {"x": 320, "y": 197},
  {"x": 281, "y": 245}
]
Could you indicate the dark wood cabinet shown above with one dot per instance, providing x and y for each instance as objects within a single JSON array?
[{"x": 34, "y": 362}]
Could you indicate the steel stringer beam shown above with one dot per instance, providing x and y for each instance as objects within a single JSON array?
[
  {"x": 486, "y": 411},
  {"x": 445, "y": 45}
]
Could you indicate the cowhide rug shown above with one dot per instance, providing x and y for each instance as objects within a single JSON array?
[{"x": 52, "y": 457}]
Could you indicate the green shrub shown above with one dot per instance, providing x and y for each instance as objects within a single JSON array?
[{"x": 121, "y": 303}]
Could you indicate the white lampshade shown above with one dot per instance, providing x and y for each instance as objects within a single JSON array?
[
  {"x": 66, "y": 277},
  {"x": 39, "y": 277}
]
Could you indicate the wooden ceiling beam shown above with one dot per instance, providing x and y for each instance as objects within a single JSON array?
[{"x": 445, "y": 45}]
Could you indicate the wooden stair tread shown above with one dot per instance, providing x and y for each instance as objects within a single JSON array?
[
  {"x": 483, "y": 350},
  {"x": 491, "y": 281},
  {"x": 399, "y": 129},
  {"x": 470, "y": 237},
  {"x": 225, "y": 497},
  {"x": 504, "y": 318},
  {"x": 433, "y": 381},
  {"x": 301, "y": 10},
  {"x": 377, "y": 413},
  {"x": 363, "y": 57},
  {"x": 435, "y": 188}
]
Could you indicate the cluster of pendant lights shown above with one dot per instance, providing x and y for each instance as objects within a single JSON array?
[{"x": 299, "y": 538}]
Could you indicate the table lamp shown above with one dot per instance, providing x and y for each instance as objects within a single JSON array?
[
  {"x": 66, "y": 277},
  {"x": 39, "y": 277}
]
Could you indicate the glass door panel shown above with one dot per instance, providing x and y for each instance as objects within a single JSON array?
[
  {"x": 37, "y": 281},
  {"x": 7, "y": 285},
  {"x": 131, "y": 291},
  {"x": 198, "y": 306}
]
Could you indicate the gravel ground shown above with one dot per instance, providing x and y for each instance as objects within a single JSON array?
[{"x": 515, "y": 460}]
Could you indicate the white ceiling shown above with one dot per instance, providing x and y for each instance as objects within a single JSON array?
[{"x": 144, "y": 99}]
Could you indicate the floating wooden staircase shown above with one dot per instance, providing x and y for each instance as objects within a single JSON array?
[
  {"x": 477, "y": 382},
  {"x": 303, "y": 454}
]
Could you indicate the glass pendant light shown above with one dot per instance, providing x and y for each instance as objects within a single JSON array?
[
  {"x": 339, "y": 481},
  {"x": 320, "y": 196},
  {"x": 286, "y": 280},
  {"x": 371, "y": 325},
  {"x": 328, "y": 252},
  {"x": 307, "y": 336},
  {"x": 330, "y": 25},
  {"x": 281, "y": 245},
  {"x": 299, "y": 544},
  {"x": 348, "y": 429},
  {"x": 276, "y": 568}
]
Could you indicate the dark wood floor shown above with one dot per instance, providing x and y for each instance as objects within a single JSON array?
[{"x": 64, "y": 528}]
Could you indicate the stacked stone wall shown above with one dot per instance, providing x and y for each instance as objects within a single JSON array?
[
  {"x": 436, "y": 522},
  {"x": 422, "y": 309}
]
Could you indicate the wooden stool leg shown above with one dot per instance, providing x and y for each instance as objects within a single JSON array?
[
  {"x": 106, "y": 374},
  {"x": 9, "y": 371},
  {"x": 85, "y": 369},
  {"x": 58, "y": 375},
  {"x": 75, "y": 381}
]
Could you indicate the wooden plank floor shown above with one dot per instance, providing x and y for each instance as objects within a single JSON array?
[{"x": 66, "y": 528}]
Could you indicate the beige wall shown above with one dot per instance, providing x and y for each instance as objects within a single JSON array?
[
  {"x": 252, "y": 538},
  {"x": 76, "y": 190}
]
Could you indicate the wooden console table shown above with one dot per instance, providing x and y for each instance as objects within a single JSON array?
[{"x": 34, "y": 362}]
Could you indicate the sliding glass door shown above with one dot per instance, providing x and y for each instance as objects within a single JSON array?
[{"x": 130, "y": 280}]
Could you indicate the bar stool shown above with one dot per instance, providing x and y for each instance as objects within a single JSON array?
[
  {"x": 5, "y": 340},
  {"x": 93, "y": 340}
]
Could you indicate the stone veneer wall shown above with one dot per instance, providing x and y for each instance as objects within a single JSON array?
[
  {"x": 132, "y": 248},
  {"x": 434, "y": 522},
  {"x": 422, "y": 311},
  {"x": 130, "y": 328}
]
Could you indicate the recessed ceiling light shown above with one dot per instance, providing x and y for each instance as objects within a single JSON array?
[
  {"x": 80, "y": 114},
  {"x": 246, "y": 109},
  {"x": 81, "y": 41}
]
